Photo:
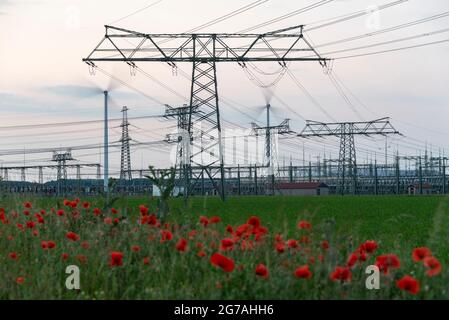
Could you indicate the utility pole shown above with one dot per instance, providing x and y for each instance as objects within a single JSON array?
[
  {"x": 347, "y": 164},
  {"x": 125, "y": 156},
  {"x": 61, "y": 160},
  {"x": 270, "y": 143},
  {"x": 204, "y": 51},
  {"x": 106, "y": 145},
  {"x": 182, "y": 138}
]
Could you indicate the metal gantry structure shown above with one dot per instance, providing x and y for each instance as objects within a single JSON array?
[
  {"x": 125, "y": 153},
  {"x": 347, "y": 163},
  {"x": 271, "y": 131},
  {"x": 61, "y": 159},
  {"x": 204, "y": 51},
  {"x": 182, "y": 139}
]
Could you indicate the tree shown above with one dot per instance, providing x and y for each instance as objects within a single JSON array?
[{"x": 164, "y": 180}]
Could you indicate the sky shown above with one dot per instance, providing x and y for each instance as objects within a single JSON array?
[{"x": 44, "y": 81}]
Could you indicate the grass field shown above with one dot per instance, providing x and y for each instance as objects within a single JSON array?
[{"x": 151, "y": 267}]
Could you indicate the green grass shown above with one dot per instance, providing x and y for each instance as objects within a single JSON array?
[{"x": 398, "y": 224}]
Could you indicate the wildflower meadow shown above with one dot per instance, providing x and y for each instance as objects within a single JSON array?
[{"x": 306, "y": 248}]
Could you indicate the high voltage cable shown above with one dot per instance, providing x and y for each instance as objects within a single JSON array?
[
  {"x": 129, "y": 86},
  {"x": 286, "y": 16},
  {"x": 344, "y": 96},
  {"x": 307, "y": 93},
  {"x": 391, "y": 29},
  {"x": 356, "y": 15},
  {"x": 427, "y": 34},
  {"x": 81, "y": 147},
  {"x": 228, "y": 16},
  {"x": 72, "y": 123},
  {"x": 392, "y": 50},
  {"x": 137, "y": 11}
]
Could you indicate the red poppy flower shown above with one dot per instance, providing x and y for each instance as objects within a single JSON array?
[
  {"x": 81, "y": 258},
  {"x": 225, "y": 263},
  {"x": 227, "y": 244},
  {"x": 303, "y": 272},
  {"x": 107, "y": 220},
  {"x": 353, "y": 258},
  {"x": 304, "y": 239},
  {"x": 387, "y": 262},
  {"x": 64, "y": 256},
  {"x": 60, "y": 212},
  {"x": 409, "y": 284},
  {"x": 20, "y": 280},
  {"x": 181, "y": 245},
  {"x": 51, "y": 244},
  {"x": 85, "y": 245},
  {"x": 242, "y": 229},
  {"x": 26, "y": 213},
  {"x": 278, "y": 238},
  {"x": 13, "y": 256},
  {"x": 166, "y": 235},
  {"x": 116, "y": 259},
  {"x": 292, "y": 243},
  {"x": 86, "y": 205},
  {"x": 114, "y": 211},
  {"x": 204, "y": 220},
  {"x": 433, "y": 266},
  {"x": 325, "y": 244},
  {"x": 73, "y": 204},
  {"x": 143, "y": 210},
  {"x": 201, "y": 253},
  {"x": 116, "y": 221},
  {"x": 27, "y": 205},
  {"x": 215, "y": 219},
  {"x": 262, "y": 271},
  {"x": 229, "y": 229},
  {"x": 66, "y": 202},
  {"x": 342, "y": 274},
  {"x": 31, "y": 224},
  {"x": 420, "y": 253},
  {"x": 96, "y": 212},
  {"x": 254, "y": 221},
  {"x": 306, "y": 225},
  {"x": 280, "y": 247},
  {"x": 369, "y": 246},
  {"x": 146, "y": 261},
  {"x": 72, "y": 236},
  {"x": 135, "y": 248},
  {"x": 39, "y": 218}
]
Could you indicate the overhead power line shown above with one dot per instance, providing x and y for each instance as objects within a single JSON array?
[
  {"x": 137, "y": 11},
  {"x": 393, "y": 50},
  {"x": 286, "y": 16},
  {"x": 355, "y": 15},
  {"x": 391, "y": 29},
  {"x": 427, "y": 34}
]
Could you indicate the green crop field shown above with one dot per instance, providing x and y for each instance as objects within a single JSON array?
[{"x": 123, "y": 254}]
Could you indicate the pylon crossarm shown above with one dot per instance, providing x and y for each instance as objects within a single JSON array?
[{"x": 205, "y": 47}]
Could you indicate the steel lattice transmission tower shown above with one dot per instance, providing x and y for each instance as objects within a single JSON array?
[
  {"x": 271, "y": 141},
  {"x": 346, "y": 131},
  {"x": 125, "y": 159},
  {"x": 61, "y": 160},
  {"x": 204, "y": 51}
]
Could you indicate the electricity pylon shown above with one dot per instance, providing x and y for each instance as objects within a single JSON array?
[
  {"x": 61, "y": 160},
  {"x": 204, "y": 51},
  {"x": 347, "y": 163},
  {"x": 182, "y": 138},
  {"x": 271, "y": 142},
  {"x": 125, "y": 157}
]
